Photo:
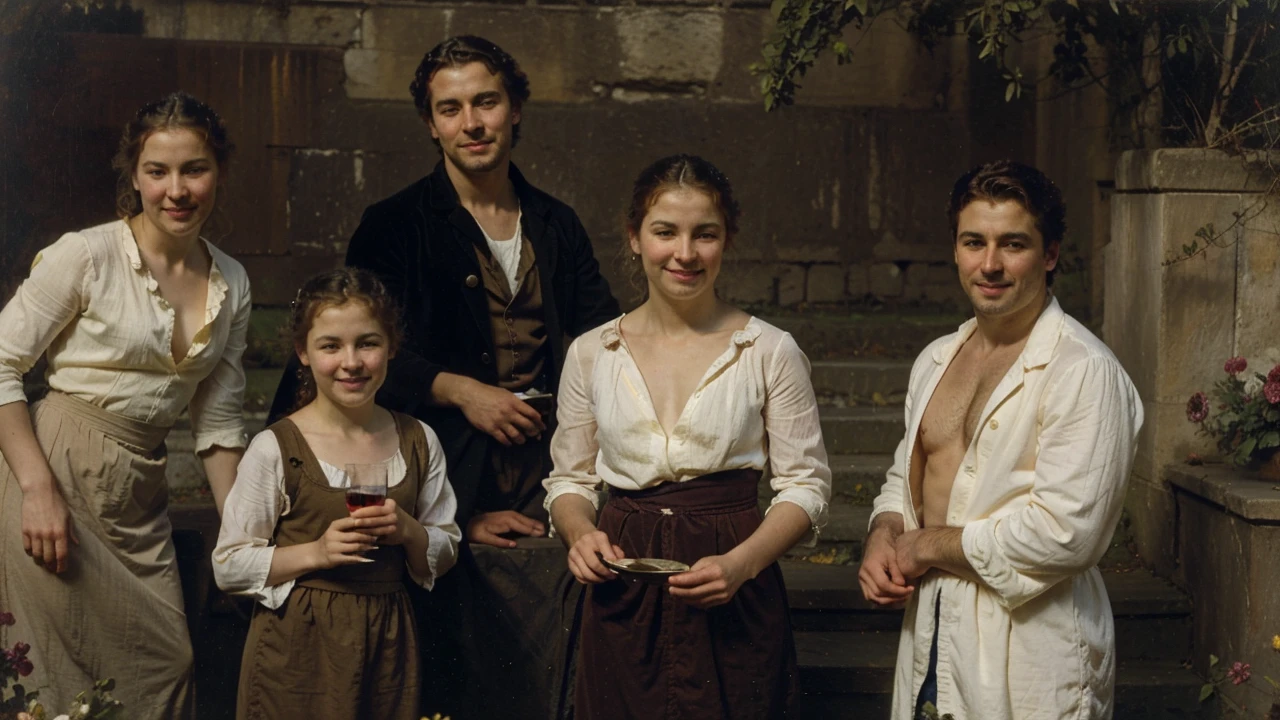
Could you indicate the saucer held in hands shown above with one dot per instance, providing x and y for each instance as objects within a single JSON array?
[{"x": 651, "y": 570}]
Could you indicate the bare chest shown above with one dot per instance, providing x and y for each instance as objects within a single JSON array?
[
  {"x": 673, "y": 370},
  {"x": 187, "y": 294},
  {"x": 954, "y": 411}
]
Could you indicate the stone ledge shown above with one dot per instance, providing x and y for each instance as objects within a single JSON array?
[
  {"x": 1195, "y": 170},
  {"x": 1240, "y": 492}
]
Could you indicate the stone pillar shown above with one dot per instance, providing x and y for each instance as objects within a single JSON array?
[{"x": 1174, "y": 320}]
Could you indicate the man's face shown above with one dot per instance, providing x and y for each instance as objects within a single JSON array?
[
  {"x": 1001, "y": 257},
  {"x": 472, "y": 117}
]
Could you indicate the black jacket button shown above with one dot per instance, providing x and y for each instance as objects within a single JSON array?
[
  {"x": 472, "y": 281},
  {"x": 484, "y": 358}
]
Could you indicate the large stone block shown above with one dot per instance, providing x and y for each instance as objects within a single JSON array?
[
  {"x": 1258, "y": 289},
  {"x": 1199, "y": 294},
  {"x": 886, "y": 280},
  {"x": 825, "y": 284},
  {"x": 1151, "y": 508},
  {"x": 791, "y": 284},
  {"x": 752, "y": 283},
  {"x": 294, "y": 24},
  {"x": 1197, "y": 169},
  {"x": 646, "y": 37}
]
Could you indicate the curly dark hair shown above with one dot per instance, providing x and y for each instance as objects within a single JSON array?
[
  {"x": 172, "y": 112},
  {"x": 334, "y": 289},
  {"x": 460, "y": 50},
  {"x": 1009, "y": 180}
]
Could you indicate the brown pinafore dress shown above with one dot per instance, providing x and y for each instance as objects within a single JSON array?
[{"x": 344, "y": 645}]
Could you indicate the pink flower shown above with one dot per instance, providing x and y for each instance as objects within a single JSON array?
[
  {"x": 1198, "y": 408},
  {"x": 6, "y": 618},
  {"x": 1272, "y": 391},
  {"x": 20, "y": 650},
  {"x": 1236, "y": 365},
  {"x": 1238, "y": 673},
  {"x": 1274, "y": 375}
]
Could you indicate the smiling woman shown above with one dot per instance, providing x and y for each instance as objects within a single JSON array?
[
  {"x": 140, "y": 319},
  {"x": 676, "y": 409}
]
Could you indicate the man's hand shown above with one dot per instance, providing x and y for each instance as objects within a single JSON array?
[
  {"x": 910, "y": 559},
  {"x": 712, "y": 581},
  {"x": 47, "y": 532},
  {"x": 486, "y": 528},
  {"x": 880, "y": 576},
  {"x": 496, "y": 412}
]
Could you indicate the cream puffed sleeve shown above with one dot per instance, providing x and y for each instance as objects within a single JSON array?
[
  {"x": 797, "y": 455},
  {"x": 54, "y": 293},
  {"x": 574, "y": 447}
]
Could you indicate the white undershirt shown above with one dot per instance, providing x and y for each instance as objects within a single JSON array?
[{"x": 507, "y": 253}]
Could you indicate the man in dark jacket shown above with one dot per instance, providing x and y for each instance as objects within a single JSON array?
[{"x": 491, "y": 274}]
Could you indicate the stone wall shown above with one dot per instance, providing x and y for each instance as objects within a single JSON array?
[
  {"x": 1174, "y": 320},
  {"x": 843, "y": 193}
]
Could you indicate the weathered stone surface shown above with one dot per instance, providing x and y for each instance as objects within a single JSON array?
[
  {"x": 886, "y": 280},
  {"x": 748, "y": 283},
  {"x": 646, "y": 36},
  {"x": 858, "y": 281},
  {"x": 1188, "y": 169},
  {"x": 295, "y": 24},
  {"x": 825, "y": 283},
  {"x": 1258, "y": 286},
  {"x": 1198, "y": 297},
  {"x": 1228, "y": 566},
  {"x": 915, "y": 280},
  {"x": 791, "y": 284}
]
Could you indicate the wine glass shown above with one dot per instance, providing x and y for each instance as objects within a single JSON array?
[{"x": 368, "y": 485}]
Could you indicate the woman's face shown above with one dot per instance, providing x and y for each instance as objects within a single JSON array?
[
  {"x": 177, "y": 178},
  {"x": 681, "y": 243},
  {"x": 347, "y": 351}
]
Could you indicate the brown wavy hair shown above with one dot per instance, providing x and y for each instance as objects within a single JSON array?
[
  {"x": 461, "y": 50},
  {"x": 1025, "y": 185},
  {"x": 172, "y": 112},
  {"x": 334, "y": 289}
]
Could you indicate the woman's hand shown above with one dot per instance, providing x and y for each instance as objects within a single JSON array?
[
  {"x": 342, "y": 544},
  {"x": 711, "y": 581},
  {"x": 585, "y": 557},
  {"x": 47, "y": 532},
  {"x": 385, "y": 522}
]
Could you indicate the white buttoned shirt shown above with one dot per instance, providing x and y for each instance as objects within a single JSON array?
[
  {"x": 1038, "y": 493},
  {"x": 753, "y": 408}
]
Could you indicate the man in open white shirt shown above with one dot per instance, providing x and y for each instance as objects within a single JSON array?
[{"x": 1006, "y": 489}]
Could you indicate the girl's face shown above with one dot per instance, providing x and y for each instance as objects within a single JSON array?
[
  {"x": 347, "y": 351},
  {"x": 681, "y": 243},
  {"x": 177, "y": 178}
]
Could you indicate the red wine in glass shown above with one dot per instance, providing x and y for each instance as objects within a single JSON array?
[{"x": 364, "y": 497}]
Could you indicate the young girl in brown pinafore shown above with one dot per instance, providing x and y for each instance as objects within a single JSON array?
[{"x": 333, "y": 635}]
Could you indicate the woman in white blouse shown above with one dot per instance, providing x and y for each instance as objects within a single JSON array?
[
  {"x": 676, "y": 409},
  {"x": 139, "y": 319}
]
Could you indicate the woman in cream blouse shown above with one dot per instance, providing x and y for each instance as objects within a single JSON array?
[
  {"x": 676, "y": 409},
  {"x": 139, "y": 319}
]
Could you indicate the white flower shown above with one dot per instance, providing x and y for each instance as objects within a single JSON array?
[{"x": 1253, "y": 385}]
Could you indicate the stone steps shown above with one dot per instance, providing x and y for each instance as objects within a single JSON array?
[
  {"x": 864, "y": 332},
  {"x": 868, "y": 381},
  {"x": 862, "y": 430}
]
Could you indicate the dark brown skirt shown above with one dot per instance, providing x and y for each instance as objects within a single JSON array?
[{"x": 645, "y": 654}]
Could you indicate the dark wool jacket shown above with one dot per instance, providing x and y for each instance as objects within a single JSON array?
[{"x": 421, "y": 243}]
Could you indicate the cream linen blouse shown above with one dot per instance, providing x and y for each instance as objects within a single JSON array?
[
  {"x": 753, "y": 408},
  {"x": 95, "y": 309},
  {"x": 1038, "y": 493},
  {"x": 242, "y": 558}
]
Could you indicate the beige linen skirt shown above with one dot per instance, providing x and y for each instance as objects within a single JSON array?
[{"x": 116, "y": 612}]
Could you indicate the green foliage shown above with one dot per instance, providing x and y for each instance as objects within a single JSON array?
[{"x": 1198, "y": 66}]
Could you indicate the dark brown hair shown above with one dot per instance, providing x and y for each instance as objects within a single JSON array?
[
  {"x": 1009, "y": 180},
  {"x": 670, "y": 173},
  {"x": 460, "y": 50},
  {"x": 334, "y": 289},
  {"x": 172, "y": 112}
]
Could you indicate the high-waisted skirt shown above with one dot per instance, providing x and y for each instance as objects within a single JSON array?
[
  {"x": 645, "y": 654},
  {"x": 116, "y": 612}
]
